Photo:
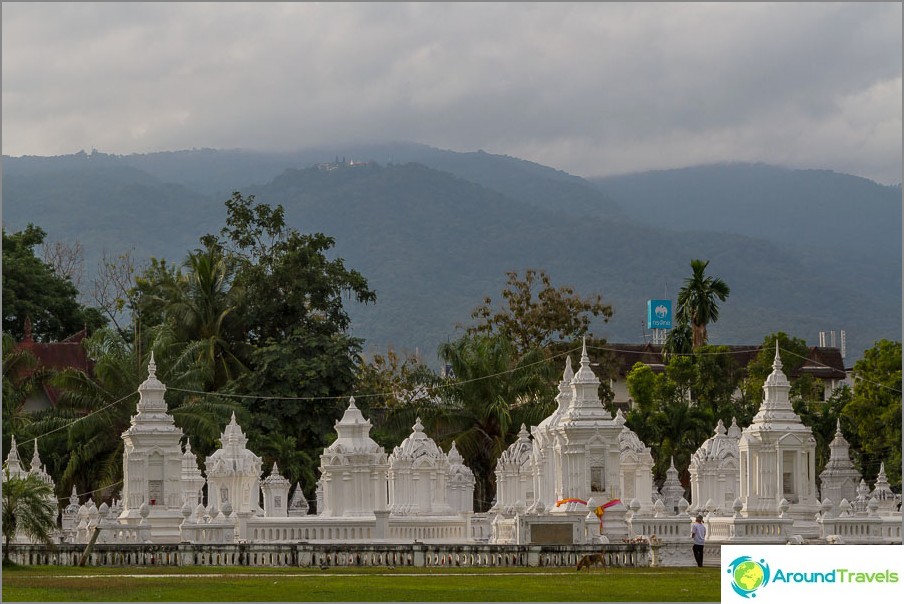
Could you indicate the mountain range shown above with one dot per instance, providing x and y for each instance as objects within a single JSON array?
[{"x": 435, "y": 231}]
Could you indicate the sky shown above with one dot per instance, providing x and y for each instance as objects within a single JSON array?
[{"x": 590, "y": 88}]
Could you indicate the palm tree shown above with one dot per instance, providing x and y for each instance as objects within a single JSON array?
[
  {"x": 201, "y": 308},
  {"x": 22, "y": 375},
  {"x": 681, "y": 427},
  {"x": 483, "y": 406},
  {"x": 29, "y": 506},
  {"x": 697, "y": 304}
]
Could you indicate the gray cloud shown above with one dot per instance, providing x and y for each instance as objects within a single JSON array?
[{"x": 590, "y": 88}]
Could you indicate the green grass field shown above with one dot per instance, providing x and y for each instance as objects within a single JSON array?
[{"x": 215, "y": 584}]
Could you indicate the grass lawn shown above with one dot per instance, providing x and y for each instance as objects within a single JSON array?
[{"x": 218, "y": 584}]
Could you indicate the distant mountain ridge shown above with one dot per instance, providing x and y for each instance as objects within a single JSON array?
[{"x": 435, "y": 231}]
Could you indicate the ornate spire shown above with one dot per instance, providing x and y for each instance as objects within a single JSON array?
[
  {"x": 152, "y": 367},
  {"x": 13, "y": 464},
  {"x": 36, "y": 459},
  {"x": 776, "y": 410}
]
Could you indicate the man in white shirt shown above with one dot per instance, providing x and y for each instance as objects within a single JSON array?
[{"x": 698, "y": 534}]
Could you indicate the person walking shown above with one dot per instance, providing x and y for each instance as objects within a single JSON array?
[{"x": 698, "y": 534}]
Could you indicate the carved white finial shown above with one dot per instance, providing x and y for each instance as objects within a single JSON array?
[
  {"x": 585, "y": 358},
  {"x": 351, "y": 402},
  {"x": 418, "y": 426},
  {"x": 569, "y": 372},
  {"x": 152, "y": 367},
  {"x": 777, "y": 363},
  {"x": 275, "y": 470}
]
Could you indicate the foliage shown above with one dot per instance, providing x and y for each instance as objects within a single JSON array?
[
  {"x": 21, "y": 377},
  {"x": 285, "y": 306},
  {"x": 394, "y": 381},
  {"x": 666, "y": 415},
  {"x": 29, "y": 506},
  {"x": 290, "y": 284},
  {"x": 535, "y": 318},
  {"x": 874, "y": 411},
  {"x": 793, "y": 352},
  {"x": 697, "y": 301},
  {"x": 33, "y": 291},
  {"x": 822, "y": 418}
]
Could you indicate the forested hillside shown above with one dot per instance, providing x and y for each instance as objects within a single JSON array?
[{"x": 435, "y": 231}]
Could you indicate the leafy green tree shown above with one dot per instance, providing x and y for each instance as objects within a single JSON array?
[
  {"x": 301, "y": 361},
  {"x": 793, "y": 352},
  {"x": 29, "y": 506},
  {"x": 822, "y": 418},
  {"x": 717, "y": 375},
  {"x": 32, "y": 291},
  {"x": 698, "y": 300},
  {"x": 874, "y": 410},
  {"x": 535, "y": 314}
]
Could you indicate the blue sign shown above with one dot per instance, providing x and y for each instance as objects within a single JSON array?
[{"x": 659, "y": 314}]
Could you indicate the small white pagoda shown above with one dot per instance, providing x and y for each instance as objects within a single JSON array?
[
  {"x": 418, "y": 474},
  {"x": 354, "y": 470},
  {"x": 715, "y": 471},
  {"x": 778, "y": 456},
  {"x": 153, "y": 464}
]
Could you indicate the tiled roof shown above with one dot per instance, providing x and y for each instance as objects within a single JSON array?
[
  {"x": 68, "y": 353},
  {"x": 822, "y": 362}
]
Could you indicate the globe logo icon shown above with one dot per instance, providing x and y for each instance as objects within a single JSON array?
[{"x": 748, "y": 575}]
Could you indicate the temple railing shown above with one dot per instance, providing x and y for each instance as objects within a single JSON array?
[{"x": 329, "y": 555}]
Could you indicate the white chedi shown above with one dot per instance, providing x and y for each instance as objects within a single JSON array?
[
  {"x": 353, "y": 470},
  {"x": 418, "y": 472},
  {"x": 714, "y": 471},
  {"x": 233, "y": 473},
  {"x": 778, "y": 455},
  {"x": 515, "y": 476},
  {"x": 459, "y": 484}
]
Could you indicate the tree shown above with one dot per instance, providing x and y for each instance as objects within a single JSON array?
[
  {"x": 680, "y": 340},
  {"x": 532, "y": 319},
  {"x": 793, "y": 352},
  {"x": 293, "y": 321},
  {"x": 67, "y": 261},
  {"x": 114, "y": 291},
  {"x": 29, "y": 506},
  {"x": 203, "y": 307},
  {"x": 21, "y": 377},
  {"x": 875, "y": 411},
  {"x": 697, "y": 300},
  {"x": 32, "y": 290}
]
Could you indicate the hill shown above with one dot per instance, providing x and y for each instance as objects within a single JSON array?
[{"x": 433, "y": 240}]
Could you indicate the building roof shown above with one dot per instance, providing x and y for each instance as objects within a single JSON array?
[
  {"x": 822, "y": 362},
  {"x": 66, "y": 354}
]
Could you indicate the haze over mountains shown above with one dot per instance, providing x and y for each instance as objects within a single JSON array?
[{"x": 435, "y": 231}]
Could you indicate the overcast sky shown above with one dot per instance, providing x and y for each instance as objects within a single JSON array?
[{"x": 589, "y": 88}]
